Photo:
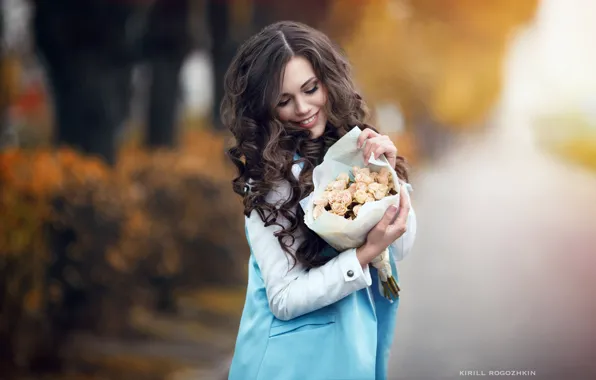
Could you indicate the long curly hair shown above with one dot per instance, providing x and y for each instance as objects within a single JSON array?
[{"x": 265, "y": 147}]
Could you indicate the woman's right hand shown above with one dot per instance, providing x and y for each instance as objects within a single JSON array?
[{"x": 390, "y": 228}]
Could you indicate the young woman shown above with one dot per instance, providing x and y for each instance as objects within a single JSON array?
[{"x": 310, "y": 312}]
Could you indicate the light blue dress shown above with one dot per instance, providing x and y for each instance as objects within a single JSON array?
[{"x": 350, "y": 339}]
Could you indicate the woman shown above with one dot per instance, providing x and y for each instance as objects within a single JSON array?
[{"x": 310, "y": 312}]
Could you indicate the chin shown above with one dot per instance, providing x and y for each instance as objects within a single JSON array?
[{"x": 317, "y": 131}]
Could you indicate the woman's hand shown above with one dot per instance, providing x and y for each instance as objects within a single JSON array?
[
  {"x": 377, "y": 144},
  {"x": 391, "y": 227}
]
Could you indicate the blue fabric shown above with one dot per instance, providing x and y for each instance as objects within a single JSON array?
[
  {"x": 387, "y": 313},
  {"x": 297, "y": 157},
  {"x": 350, "y": 339}
]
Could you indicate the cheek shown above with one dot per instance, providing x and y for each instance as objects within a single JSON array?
[
  {"x": 322, "y": 98},
  {"x": 284, "y": 113}
]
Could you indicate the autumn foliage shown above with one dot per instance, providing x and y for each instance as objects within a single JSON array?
[
  {"x": 81, "y": 243},
  {"x": 571, "y": 136},
  {"x": 437, "y": 58}
]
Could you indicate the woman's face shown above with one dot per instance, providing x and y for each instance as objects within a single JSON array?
[{"x": 303, "y": 97}]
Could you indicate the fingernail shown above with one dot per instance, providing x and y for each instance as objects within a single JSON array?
[{"x": 393, "y": 208}]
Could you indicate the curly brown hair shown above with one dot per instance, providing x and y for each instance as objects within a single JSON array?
[{"x": 266, "y": 147}]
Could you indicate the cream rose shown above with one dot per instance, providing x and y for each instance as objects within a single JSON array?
[
  {"x": 339, "y": 209},
  {"x": 361, "y": 186},
  {"x": 363, "y": 177},
  {"x": 378, "y": 195},
  {"x": 372, "y": 187},
  {"x": 323, "y": 200},
  {"x": 383, "y": 179},
  {"x": 378, "y": 190},
  {"x": 318, "y": 210},
  {"x": 344, "y": 197},
  {"x": 343, "y": 177},
  {"x": 360, "y": 196},
  {"x": 337, "y": 185},
  {"x": 332, "y": 196}
]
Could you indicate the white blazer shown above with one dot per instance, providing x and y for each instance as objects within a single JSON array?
[{"x": 292, "y": 292}]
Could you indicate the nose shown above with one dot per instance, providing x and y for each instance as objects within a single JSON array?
[{"x": 302, "y": 108}]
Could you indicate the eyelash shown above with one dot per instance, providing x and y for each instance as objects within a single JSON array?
[
  {"x": 313, "y": 90},
  {"x": 309, "y": 92}
]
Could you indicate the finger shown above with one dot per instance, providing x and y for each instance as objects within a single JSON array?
[
  {"x": 372, "y": 145},
  {"x": 383, "y": 146},
  {"x": 392, "y": 161},
  {"x": 380, "y": 150},
  {"x": 367, "y": 150},
  {"x": 388, "y": 217},
  {"x": 404, "y": 210},
  {"x": 391, "y": 149},
  {"x": 364, "y": 135},
  {"x": 391, "y": 152}
]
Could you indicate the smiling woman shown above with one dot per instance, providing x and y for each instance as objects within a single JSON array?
[{"x": 309, "y": 312}]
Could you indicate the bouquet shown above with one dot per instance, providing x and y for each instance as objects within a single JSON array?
[
  {"x": 350, "y": 198},
  {"x": 346, "y": 195}
]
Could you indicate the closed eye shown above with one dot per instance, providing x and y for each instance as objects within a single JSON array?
[
  {"x": 283, "y": 103},
  {"x": 313, "y": 89}
]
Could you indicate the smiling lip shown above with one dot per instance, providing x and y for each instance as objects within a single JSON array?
[{"x": 311, "y": 123}]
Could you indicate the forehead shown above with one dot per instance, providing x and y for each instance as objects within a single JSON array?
[{"x": 297, "y": 71}]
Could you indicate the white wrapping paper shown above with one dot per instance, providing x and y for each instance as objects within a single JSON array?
[{"x": 339, "y": 232}]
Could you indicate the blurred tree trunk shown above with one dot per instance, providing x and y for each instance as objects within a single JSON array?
[
  {"x": 223, "y": 48},
  {"x": 8, "y": 136},
  {"x": 167, "y": 44},
  {"x": 3, "y": 90},
  {"x": 86, "y": 48},
  {"x": 310, "y": 12}
]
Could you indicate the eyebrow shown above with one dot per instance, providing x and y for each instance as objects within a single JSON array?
[{"x": 309, "y": 81}]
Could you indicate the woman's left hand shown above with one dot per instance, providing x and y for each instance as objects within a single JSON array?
[{"x": 377, "y": 144}]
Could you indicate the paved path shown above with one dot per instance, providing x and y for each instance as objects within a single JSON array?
[
  {"x": 502, "y": 276},
  {"x": 196, "y": 344}
]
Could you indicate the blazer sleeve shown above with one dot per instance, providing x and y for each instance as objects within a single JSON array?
[
  {"x": 293, "y": 290},
  {"x": 403, "y": 246}
]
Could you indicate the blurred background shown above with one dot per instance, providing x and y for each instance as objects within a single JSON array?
[{"x": 122, "y": 250}]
